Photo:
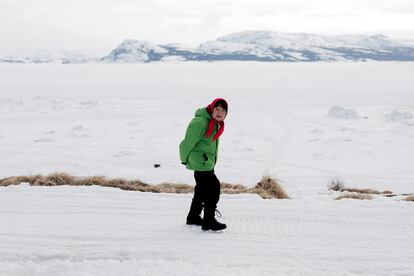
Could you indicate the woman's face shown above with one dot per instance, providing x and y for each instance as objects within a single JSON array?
[{"x": 219, "y": 113}]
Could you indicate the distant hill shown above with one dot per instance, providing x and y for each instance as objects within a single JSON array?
[
  {"x": 269, "y": 46},
  {"x": 254, "y": 46}
]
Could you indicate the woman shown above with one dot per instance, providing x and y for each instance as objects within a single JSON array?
[{"x": 198, "y": 151}]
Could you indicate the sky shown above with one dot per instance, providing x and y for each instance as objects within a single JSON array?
[{"x": 95, "y": 27}]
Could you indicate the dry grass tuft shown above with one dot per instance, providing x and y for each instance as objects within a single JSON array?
[
  {"x": 355, "y": 196},
  {"x": 361, "y": 191},
  {"x": 336, "y": 185},
  {"x": 61, "y": 179},
  {"x": 93, "y": 180},
  {"x": 173, "y": 188},
  {"x": 410, "y": 198},
  {"x": 16, "y": 180},
  {"x": 227, "y": 188},
  {"x": 387, "y": 192},
  {"x": 13, "y": 180},
  {"x": 128, "y": 185},
  {"x": 269, "y": 188}
]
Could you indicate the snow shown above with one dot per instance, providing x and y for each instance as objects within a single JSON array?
[
  {"x": 342, "y": 113},
  {"x": 119, "y": 120},
  {"x": 399, "y": 115},
  {"x": 104, "y": 231}
]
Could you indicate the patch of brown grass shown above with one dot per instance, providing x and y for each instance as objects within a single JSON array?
[
  {"x": 13, "y": 180},
  {"x": 92, "y": 180},
  {"x": 172, "y": 188},
  {"x": 270, "y": 188},
  {"x": 355, "y": 196},
  {"x": 361, "y": 191},
  {"x": 61, "y": 179},
  {"x": 338, "y": 186},
  {"x": 227, "y": 188},
  {"x": 266, "y": 188},
  {"x": 410, "y": 198},
  {"x": 16, "y": 180}
]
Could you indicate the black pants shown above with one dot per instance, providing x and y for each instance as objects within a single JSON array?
[{"x": 206, "y": 193}]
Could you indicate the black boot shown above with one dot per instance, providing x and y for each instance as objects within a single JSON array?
[
  {"x": 194, "y": 220},
  {"x": 210, "y": 222},
  {"x": 213, "y": 225},
  {"x": 193, "y": 217}
]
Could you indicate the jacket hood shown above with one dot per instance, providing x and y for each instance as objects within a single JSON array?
[{"x": 202, "y": 112}]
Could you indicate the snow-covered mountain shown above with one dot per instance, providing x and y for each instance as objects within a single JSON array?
[
  {"x": 46, "y": 58},
  {"x": 252, "y": 46},
  {"x": 269, "y": 46},
  {"x": 136, "y": 51}
]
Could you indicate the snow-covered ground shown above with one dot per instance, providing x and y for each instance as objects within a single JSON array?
[
  {"x": 105, "y": 231},
  {"x": 305, "y": 124}
]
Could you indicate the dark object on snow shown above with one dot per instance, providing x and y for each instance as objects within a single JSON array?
[
  {"x": 157, "y": 165},
  {"x": 194, "y": 220},
  {"x": 392, "y": 195}
]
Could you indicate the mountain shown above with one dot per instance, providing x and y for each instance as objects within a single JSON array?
[
  {"x": 252, "y": 46},
  {"x": 47, "y": 58},
  {"x": 131, "y": 51},
  {"x": 269, "y": 46}
]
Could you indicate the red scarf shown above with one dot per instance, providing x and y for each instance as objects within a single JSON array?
[{"x": 213, "y": 122}]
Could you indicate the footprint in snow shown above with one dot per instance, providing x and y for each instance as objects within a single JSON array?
[
  {"x": 89, "y": 103},
  {"x": 78, "y": 131},
  {"x": 136, "y": 123},
  {"x": 323, "y": 156},
  {"x": 313, "y": 140},
  {"x": 78, "y": 128},
  {"x": 124, "y": 153},
  {"x": 44, "y": 140},
  {"x": 49, "y": 132},
  {"x": 317, "y": 131}
]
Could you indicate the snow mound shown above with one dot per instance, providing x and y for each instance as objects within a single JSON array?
[
  {"x": 339, "y": 112},
  {"x": 397, "y": 115}
]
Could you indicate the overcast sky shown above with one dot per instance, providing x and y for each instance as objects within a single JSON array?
[{"x": 98, "y": 26}]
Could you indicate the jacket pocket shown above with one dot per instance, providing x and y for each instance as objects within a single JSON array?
[
  {"x": 201, "y": 161},
  {"x": 209, "y": 161}
]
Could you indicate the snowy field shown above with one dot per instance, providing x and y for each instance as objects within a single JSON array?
[
  {"x": 104, "y": 231},
  {"x": 303, "y": 123}
]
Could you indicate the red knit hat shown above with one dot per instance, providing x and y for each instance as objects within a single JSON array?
[{"x": 212, "y": 123}]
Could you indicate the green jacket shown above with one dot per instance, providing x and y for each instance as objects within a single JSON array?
[{"x": 196, "y": 150}]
